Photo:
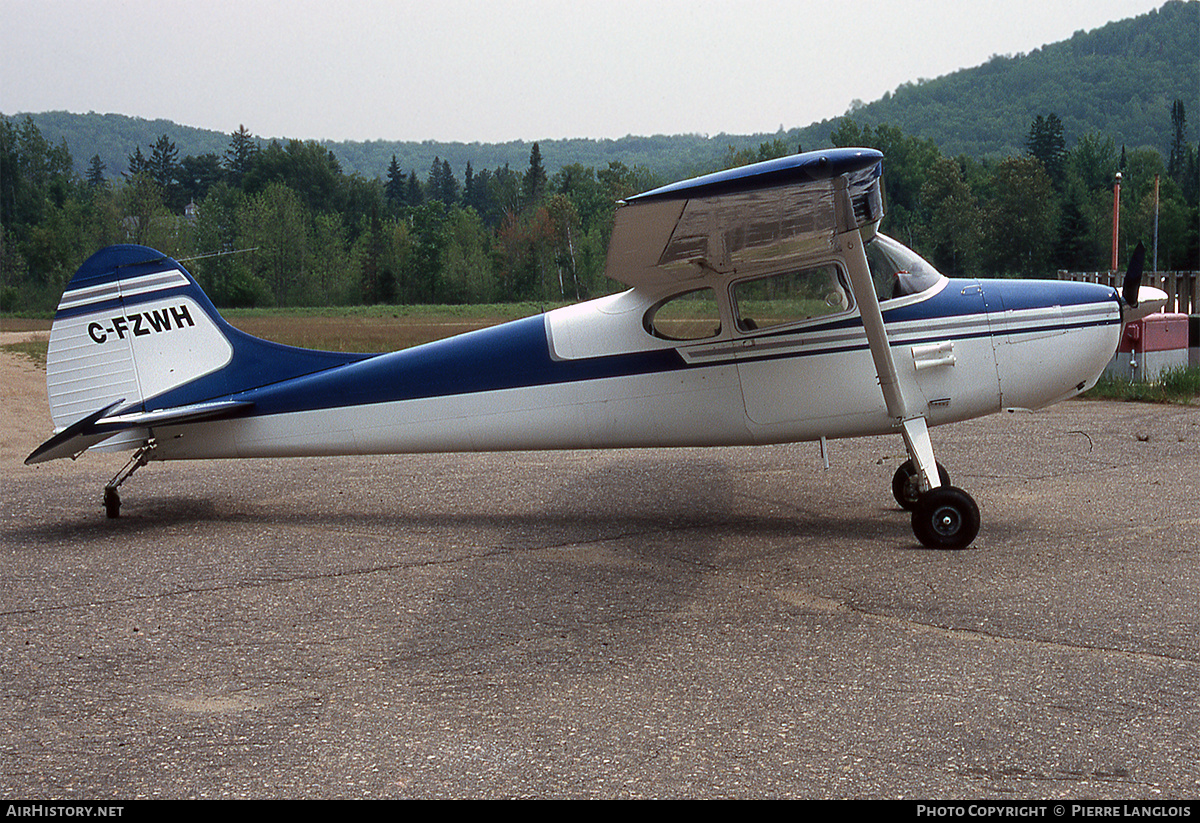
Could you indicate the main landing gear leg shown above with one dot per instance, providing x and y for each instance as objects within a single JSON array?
[
  {"x": 112, "y": 499},
  {"x": 943, "y": 517}
]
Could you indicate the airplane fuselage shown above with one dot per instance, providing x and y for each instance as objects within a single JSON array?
[{"x": 592, "y": 376}]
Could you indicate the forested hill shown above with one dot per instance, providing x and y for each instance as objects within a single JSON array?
[
  {"x": 1118, "y": 80},
  {"x": 115, "y": 138}
]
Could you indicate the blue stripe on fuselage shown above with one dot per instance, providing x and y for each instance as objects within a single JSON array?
[{"x": 512, "y": 355}]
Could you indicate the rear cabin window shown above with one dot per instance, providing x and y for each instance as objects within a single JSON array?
[
  {"x": 693, "y": 315},
  {"x": 790, "y": 297}
]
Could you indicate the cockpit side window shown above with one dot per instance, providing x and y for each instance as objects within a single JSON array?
[
  {"x": 693, "y": 315},
  {"x": 790, "y": 297},
  {"x": 898, "y": 270}
]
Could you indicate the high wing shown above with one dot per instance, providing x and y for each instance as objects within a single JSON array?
[{"x": 756, "y": 214}]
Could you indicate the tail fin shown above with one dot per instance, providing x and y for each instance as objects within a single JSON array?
[
  {"x": 131, "y": 325},
  {"x": 135, "y": 341}
]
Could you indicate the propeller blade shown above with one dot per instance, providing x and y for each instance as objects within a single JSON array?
[{"x": 1133, "y": 276}]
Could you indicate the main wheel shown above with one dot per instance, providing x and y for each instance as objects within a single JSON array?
[
  {"x": 906, "y": 484},
  {"x": 945, "y": 518}
]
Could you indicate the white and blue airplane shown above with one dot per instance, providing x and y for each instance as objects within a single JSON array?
[{"x": 764, "y": 307}]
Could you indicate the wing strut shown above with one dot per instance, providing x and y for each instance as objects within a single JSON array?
[
  {"x": 913, "y": 427},
  {"x": 943, "y": 516}
]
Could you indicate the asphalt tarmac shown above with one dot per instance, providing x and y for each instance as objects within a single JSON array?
[{"x": 633, "y": 624}]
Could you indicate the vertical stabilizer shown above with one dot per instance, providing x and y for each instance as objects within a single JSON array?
[{"x": 131, "y": 325}]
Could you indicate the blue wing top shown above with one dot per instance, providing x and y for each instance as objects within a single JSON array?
[{"x": 796, "y": 169}]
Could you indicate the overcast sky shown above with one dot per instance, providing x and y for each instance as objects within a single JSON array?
[{"x": 498, "y": 70}]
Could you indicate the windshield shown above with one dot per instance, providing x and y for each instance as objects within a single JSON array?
[{"x": 898, "y": 270}]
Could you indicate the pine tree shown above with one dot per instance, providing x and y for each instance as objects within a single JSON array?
[
  {"x": 164, "y": 168},
  {"x": 449, "y": 184},
  {"x": 95, "y": 173},
  {"x": 1177, "y": 162},
  {"x": 434, "y": 184},
  {"x": 534, "y": 184},
  {"x": 241, "y": 155},
  {"x": 163, "y": 164},
  {"x": 136, "y": 163},
  {"x": 395, "y": 188},
  {"x": 1046, "y": 143},
  {"x": 413, "y": 196},
  {"x": 469, "y": 186}
]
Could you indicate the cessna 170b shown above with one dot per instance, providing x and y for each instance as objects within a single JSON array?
[{"x": 764, "y": 307}]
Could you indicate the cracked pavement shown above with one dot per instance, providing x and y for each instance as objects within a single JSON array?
[{"x": 647, "y": 623}]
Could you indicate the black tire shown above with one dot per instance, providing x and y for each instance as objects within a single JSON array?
[
  {"x": 946, "y": 518},
  {"x": 905, "y": 487},
  {"x": 112, "y": 503}
]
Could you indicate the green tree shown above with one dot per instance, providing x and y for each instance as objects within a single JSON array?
[
  {"x": 1085, "y": 231},
  {"x": 564, "y": 228},
  {"x": 223, "y": 280},
  {"x": 136, "y": 163},
  {"x": 146, "y": 219},
  {"x": 241, "y": 155},
  {"x": 469, "y": 193},
  {"x": 413, "y": 195},
  {"x": 1045, "y": 142},
  {"x": 307, "y": 168},
  {"x": 907, "y": 161},
  {"x": 954, "y": 232},
  {"x": 276, "y": 223},
  {"x": 197, "y": 175},
  {"x": 1175, "y": 218},
  {"x": 767, "y": 150},
  {"x": 466, "y": 260},
  {"x": 95, "y": 172},
  {"x": 332, "y": 263},
  {"x": 1022, "y": 219},
  {"x": 58, "y": 243},
  {"x": 441, "y": 184},
  {"x": 394, "y": 189},
  {"x": 370, "y": 252},
  {"x": 421, "y": 280},
  {"x": 504, "y": 189},
  {"x": 533, "y": 185},
  {"x": 163, "y": 165},
  {"x": 621, "y": 181},
  {"x": 1183, "y": 165},
  {"x": 34, "y": 176},
  {"x": 1093, "y": 160},
  {"x": 1177, "y": 162}
]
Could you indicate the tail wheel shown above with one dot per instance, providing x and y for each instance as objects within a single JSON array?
[{"x": 945, "y": 518}]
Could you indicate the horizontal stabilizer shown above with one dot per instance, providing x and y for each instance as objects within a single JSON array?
[{"x": 97, "y": 427}]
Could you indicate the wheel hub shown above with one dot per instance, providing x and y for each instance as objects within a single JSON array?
[{"x": 947, "y": 521}]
